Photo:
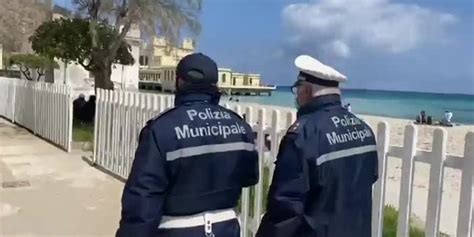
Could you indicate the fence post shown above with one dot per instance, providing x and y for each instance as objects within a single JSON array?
[
  {"x": 35, "y": 124},
  {"x": 259, "y": 186},
  {"x": 290, "y": 118},
  {"x": 273, "y": 141},
  {"x": 14, "y": 102},
  {"x": 97, "y": 118},
  {"x": 249, "y": 116},
  {"x": 162, "y": 103},
  {"x": 114, "y": 135},
  {"x": 435, "y": 190},
  {"x": 466, "y": 203},
  {"x": 406, "y": 189},
  {"x": 383, "y": 141}
]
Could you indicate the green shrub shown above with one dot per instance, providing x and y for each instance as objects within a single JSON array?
[{"x": 390, "y": 224}]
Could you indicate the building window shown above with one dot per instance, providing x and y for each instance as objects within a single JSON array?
[
  {"x": 223, "y": 78},
  {"x": 234, "y": 81},
  {"x": 143, "y": 60}
]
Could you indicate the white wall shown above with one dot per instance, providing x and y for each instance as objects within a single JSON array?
[
  {"x": 128, "y": 75},
  {"x": 75, "y": 74}
]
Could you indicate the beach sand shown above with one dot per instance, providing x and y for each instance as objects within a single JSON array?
[{"x": 452, "y": 181}]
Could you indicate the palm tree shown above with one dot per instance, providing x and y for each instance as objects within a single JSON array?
[{"x": 165, "y": 17}]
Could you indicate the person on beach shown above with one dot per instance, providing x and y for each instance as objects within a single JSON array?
[
  {"x": 191, "y": 163},
  {"x": 326, "y": 164},
  {"x": 348, "y": 107},
  {"x": 447, "y": 116}
]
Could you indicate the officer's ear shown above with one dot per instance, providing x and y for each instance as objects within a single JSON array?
[
  {"x": 307, "y": 90},
  {"x": 179, "y": 82}
]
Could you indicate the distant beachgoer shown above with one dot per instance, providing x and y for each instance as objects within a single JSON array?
[
  {"x": 448, "y": 115},
  {"x": 423, "y": 117},
  {"x": 348, "y": 107}
]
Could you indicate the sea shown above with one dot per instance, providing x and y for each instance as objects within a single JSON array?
[{"x": 396, "y": 104}]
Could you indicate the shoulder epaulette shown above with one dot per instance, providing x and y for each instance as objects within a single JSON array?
[
  {"x": 296, "y": 126},
  {"x": 161, "y": 114},
  {"x": 233, "y": 112}
]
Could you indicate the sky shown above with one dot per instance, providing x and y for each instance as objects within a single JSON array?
[{"x": 407, "y": 45}]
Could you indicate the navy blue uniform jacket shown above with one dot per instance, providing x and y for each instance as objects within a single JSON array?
[
  {"x": 193, "y": 158},
  {"x": 325, "y": 169}
]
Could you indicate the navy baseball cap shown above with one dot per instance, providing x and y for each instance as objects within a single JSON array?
[{"x": 197, "y": 68}]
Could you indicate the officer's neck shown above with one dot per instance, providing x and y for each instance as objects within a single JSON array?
[
  {"x": 182, "y": 98},
  {"x": 319, "y": 102}
]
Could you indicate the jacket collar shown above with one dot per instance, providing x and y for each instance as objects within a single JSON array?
[{"x": 318, "y": 103}]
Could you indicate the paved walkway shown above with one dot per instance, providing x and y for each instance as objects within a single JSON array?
[{"x": 47, "y": 192}]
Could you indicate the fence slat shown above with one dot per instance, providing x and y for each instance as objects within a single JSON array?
[
  {"x": 115, "y": 124},
  {"x": 259, "y": 187},
  {"x": 435, "y": 190},
  {"x": 274, "y": 143},
  {"x": 406, "y": 188},
  {"x": 109, "y": 103},
  {"x": 70, "y": 118},
  {"x": 383, "y": 140},
  {"x": 98, "y": 127},
  {"x": 121, "y": 121},
  {"x": 130, "y": 103},
  {"x": 97, "y": 118},
  {"x": 56, "y": 113},
  {"x": 466, "y": 203}
]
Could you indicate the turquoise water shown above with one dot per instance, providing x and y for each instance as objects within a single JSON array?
[{"x": 388, "y": 103}]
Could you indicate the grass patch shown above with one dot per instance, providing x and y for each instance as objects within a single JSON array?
[
  {"x": 82, "y": 132},
  {"x": 390, "y": 224}
]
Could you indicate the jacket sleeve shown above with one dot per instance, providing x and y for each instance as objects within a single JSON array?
[
  {"x": 144, "y": 191},
  {"x": 286, "y": 198}
]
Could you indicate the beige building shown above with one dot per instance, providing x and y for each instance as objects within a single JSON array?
[
  {"x": 168, "y": 79},
  {"x": 225, "y": 77},
  {"x": 158, "y": 67},
  {"x": 237, "y": 79},
  {"x": 252, "y": 80},
  {"x": 163, "y": 54}
]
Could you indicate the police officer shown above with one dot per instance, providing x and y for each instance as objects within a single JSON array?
[
  {"x": 326, "y": 165},
  {"x": 191, "y": 163}
]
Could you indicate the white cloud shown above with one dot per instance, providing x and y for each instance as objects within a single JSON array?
[{"x": 334, "y": 26}]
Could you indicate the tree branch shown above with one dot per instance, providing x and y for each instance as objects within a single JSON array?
[
  {"x": 26, "y": 72},
  {"x": 40, "y": 73},
  {"x": 116, "y": 44},
  {"x": 121, "y": 13}
]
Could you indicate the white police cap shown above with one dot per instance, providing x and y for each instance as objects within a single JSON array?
[{"x": 313, "y": 71}]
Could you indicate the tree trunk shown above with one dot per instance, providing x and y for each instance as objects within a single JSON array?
[{"x": 102, "y": 77}]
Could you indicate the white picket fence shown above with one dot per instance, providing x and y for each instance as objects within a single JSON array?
[
  {"x": 121, "y": 115},
  {"x": 43, "y": 108}
]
